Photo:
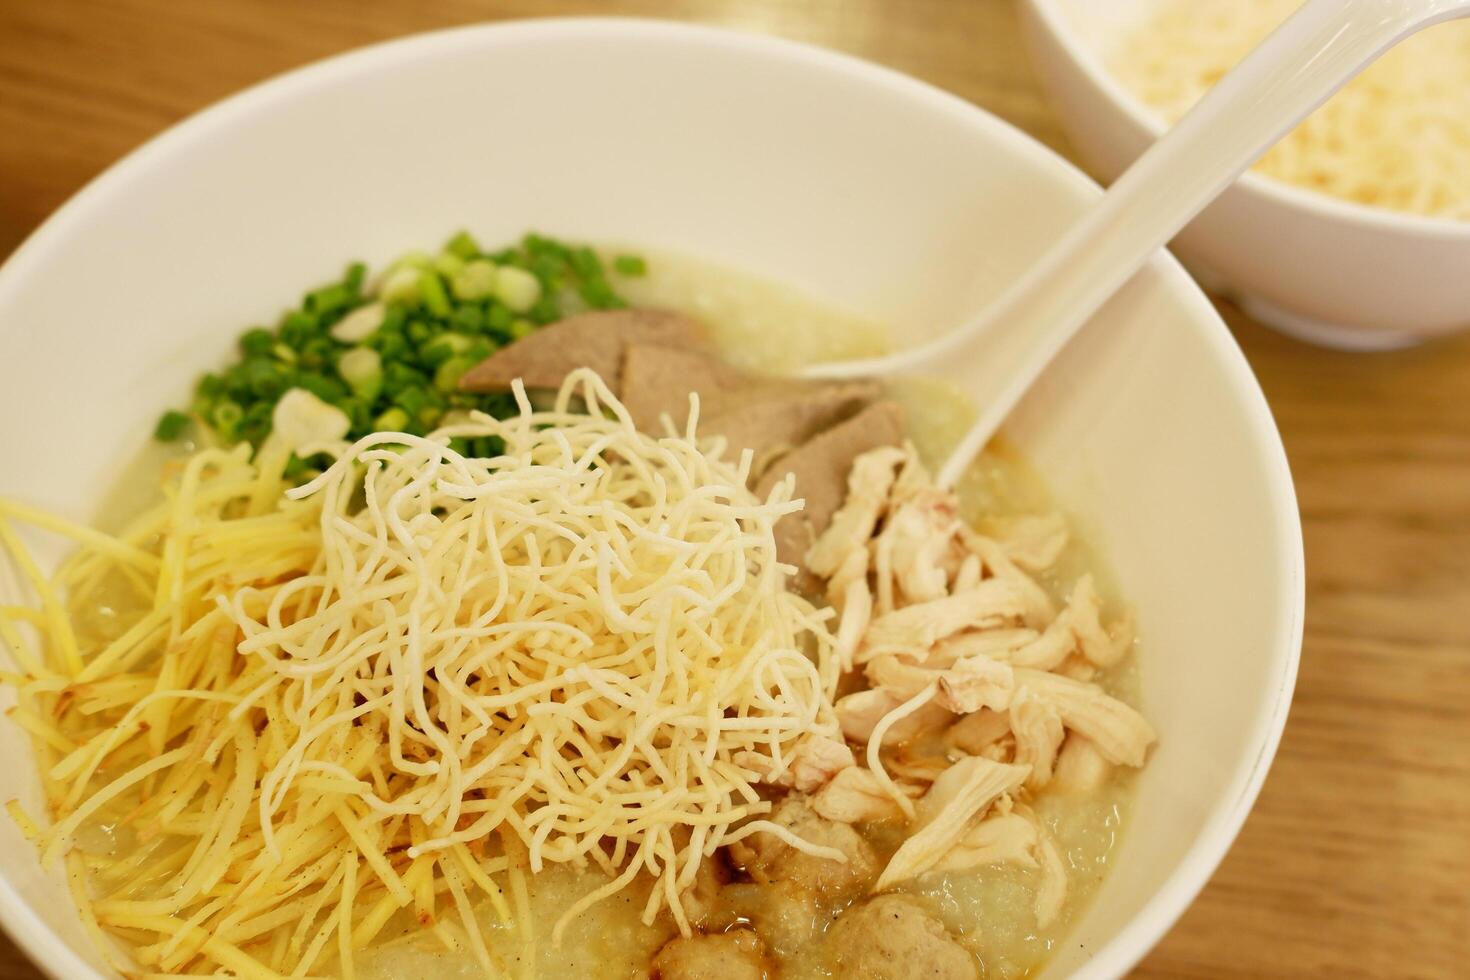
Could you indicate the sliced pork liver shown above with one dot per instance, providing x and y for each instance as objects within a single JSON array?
[
  {"x": 597, "y": 340},
  {"x": 773, "y": 422},
  {"x": 766, "y": 415},
  {"x": 657, "y": 380},
  {"x": 653, "y": 360}
]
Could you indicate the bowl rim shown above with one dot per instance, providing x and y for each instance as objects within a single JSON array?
[
  {"x": 1162, "y": 909},
  {"x": 1059, "y": 27}
]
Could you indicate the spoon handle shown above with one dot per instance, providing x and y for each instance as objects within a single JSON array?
[{"x": 1297, "y": 68}]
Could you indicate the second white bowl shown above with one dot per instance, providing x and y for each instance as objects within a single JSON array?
[{"x": 1327, "y": 271}]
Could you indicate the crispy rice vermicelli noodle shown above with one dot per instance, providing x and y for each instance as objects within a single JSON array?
[{"x": 329, "y": 706}]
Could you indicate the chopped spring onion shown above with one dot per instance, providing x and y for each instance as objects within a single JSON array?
[
  {"x": 226, "y": 418},
  {"x": 393, "y": 420},
  {"x": 446, "y": 345},
  {"x": 389, "y": 355},
  {"x": 431, "y": 291},
  {"x": 402, "y": 285},
  {"x": 257, "y": 341},
  {"x": 446, "y": 377},
  {"x": 170, "y": 426},
  {"x": 360, "y": 324},
  {"x": 630, "y": 266},
  {"x": 447, "y": 264},
  {"x": 517, "y": 288},
  {"x": 362, "y": 369},
  {"x": 463, "y": 244},
  {"x": 302, "y": 419},
  {"x": 475, "y": 281}
]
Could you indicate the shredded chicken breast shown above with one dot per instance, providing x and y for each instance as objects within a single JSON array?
[
  {"x": 1032, "y": 541},
  {"x": 854, "y": 795},
  {"x": 1037, "y": 725},
  {"x": 1007, "y": 838},
  {"x": 868, "y": 486},
  {"x": 993, "y": 602},
  {"x": 1081, "y": 768},
  {"x": 815, "y": 760},
  {"x": 970, "y": 690},
  {"x": 1120, "y": 733},
  {"x": 961, "y": 793}
]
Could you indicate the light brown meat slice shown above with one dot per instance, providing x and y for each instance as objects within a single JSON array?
[
  {"x": 657, "y": 380},
  {"x": 772, "y": 419},
  {"x": 768, "y": 416},
  {"x": 735, "y": 955},
  {"x": 596, "y": 340},
  {"x": 767, "y": 858},
  {"x": 820, "y": 467},
  {"x": 892, "y": 937}
]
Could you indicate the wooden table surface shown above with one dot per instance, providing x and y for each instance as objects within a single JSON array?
[{"x": 1356, "y": 861}]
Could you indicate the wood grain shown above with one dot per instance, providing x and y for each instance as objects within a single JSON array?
[{"x": 1356, "y": 862}]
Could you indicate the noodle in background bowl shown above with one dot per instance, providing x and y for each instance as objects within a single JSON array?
[
  {"x": 1319, "y": 268},
  {"x": 859, "y": 185}
]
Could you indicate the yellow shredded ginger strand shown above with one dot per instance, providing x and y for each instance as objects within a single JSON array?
[{"x": 337, "y": 706}]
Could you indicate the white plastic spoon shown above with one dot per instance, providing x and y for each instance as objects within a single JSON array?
[{"x": 1004, "y": 349}]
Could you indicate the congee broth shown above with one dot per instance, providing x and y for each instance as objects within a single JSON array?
[{"x": 456, "y": 638}]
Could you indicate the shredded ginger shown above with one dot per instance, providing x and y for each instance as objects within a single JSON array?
[
  {"x": 1397, "y": 136},
  {"x": 415, "y": 676}
]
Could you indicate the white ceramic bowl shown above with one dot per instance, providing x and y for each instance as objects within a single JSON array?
[
  {"x": 1322, "y": 269},
  {"x": 861, "y": 185}
]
